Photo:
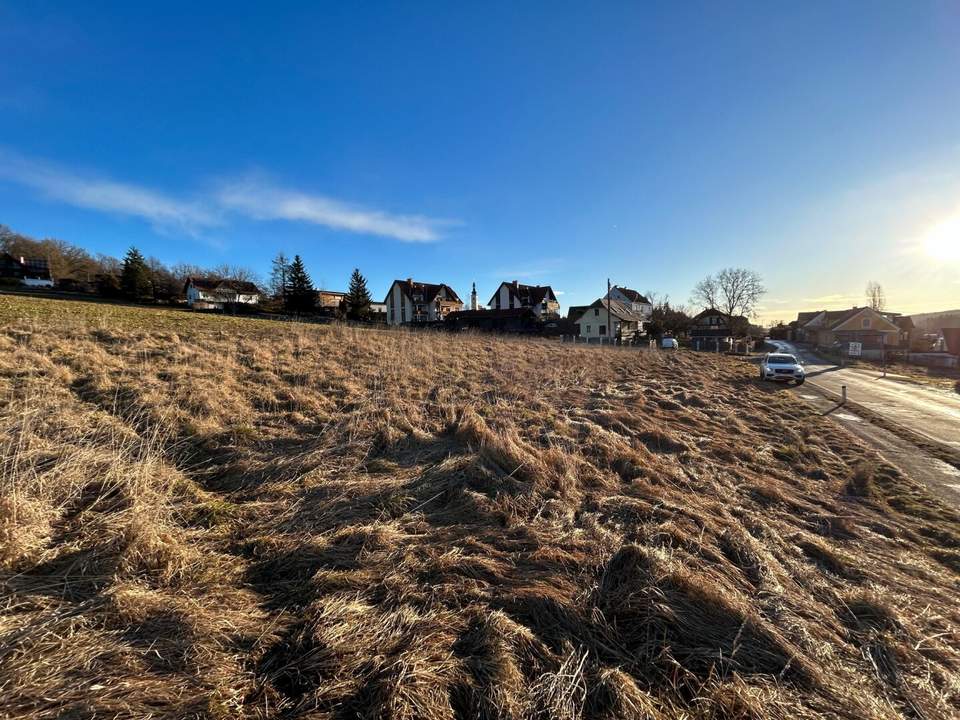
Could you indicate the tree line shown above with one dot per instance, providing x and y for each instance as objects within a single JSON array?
[
  {"x": 147, "y": 279},
  {"x": 290, "y": 285}
]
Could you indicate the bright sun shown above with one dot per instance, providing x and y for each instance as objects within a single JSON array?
[{"x": 942, "y": 241}]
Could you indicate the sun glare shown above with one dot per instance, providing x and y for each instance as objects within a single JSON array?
[{"x": 942, "y": 241}]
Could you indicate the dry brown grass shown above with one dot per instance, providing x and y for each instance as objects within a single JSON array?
[{"x": 214, "y": 519}]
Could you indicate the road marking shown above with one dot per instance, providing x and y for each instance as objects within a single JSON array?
[
  {"x": 809, "y": 397},
  {"x": 847, "y": 416}
]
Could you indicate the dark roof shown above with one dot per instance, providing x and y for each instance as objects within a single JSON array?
[
  {"x": 619, "y": 309},
  {"x": 428, "y": 290},
  {"x": 904, "y": 322},
  {"x": 213, "y": 285},
  {"x": 633, "y": 295},
  {"x": 708, "y": 312},
  {"x": 575, "y": 311},
  {"x": 504, "y": 313},
  {"x": 33, "y": 267},
  {"x": 805, "y": 317},
  {"x": 527, "y": 294}
]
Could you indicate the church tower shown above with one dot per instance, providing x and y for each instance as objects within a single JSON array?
[{"x": 473, "y": 298}]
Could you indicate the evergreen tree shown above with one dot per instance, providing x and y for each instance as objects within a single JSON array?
[
  {"x": 300, "y": 295},
  {"x": 358, "y": 297},
  {"x": 280, "y": 277},
  {"x": 135, "y": 277}
]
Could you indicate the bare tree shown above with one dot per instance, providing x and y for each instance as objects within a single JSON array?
[
  {"x": 733, "y": 291},
  {"x": 876, "y": 298},
  {"x": 235, "y": 272}
]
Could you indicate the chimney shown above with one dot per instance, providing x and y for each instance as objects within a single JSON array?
[{"x": 515, "y": 283}]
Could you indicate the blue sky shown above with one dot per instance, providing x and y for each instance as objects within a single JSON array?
[{"x": 560, "y": 143}]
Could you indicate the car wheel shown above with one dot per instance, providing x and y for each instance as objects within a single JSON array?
[{"x": 800, "y": 381}]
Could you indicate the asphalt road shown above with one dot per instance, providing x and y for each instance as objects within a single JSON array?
[{"x": 930, "y": 412}]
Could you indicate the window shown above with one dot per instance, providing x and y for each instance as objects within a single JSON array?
[
  {"x": 866, "y": 323},
  {"x": 603, "y": 329},
  {"x": 588, "y": 329},
  {"x": 596, "y": 311}
]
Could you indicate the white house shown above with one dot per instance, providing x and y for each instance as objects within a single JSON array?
[
  {"x": 622, "y": 321},
  {"x": 214, "y": 294},
  {"x": 411, "y": 301},
  {"x": 637, "y": 302},
  {"x": 539, "y": 298}
]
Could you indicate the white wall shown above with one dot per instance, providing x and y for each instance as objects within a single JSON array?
[{"x": 590, "y": 322}]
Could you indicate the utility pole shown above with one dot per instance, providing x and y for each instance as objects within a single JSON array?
[{"x": 609, "y": 328}]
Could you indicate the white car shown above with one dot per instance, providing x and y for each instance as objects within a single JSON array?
[
  {"x": 782, "y": 368},
  {"x": 668, "y": 343}
]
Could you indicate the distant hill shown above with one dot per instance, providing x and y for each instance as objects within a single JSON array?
[{"x": 936, "y": 321}]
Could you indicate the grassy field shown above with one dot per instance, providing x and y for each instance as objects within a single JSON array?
[{"x": 217, "y": 518}]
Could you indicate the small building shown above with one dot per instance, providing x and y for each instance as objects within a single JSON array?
[
  {"x": 508, "y": 320},
  {"x": 539, "y": 298},
  {"x": 637, "y": 301},
  {"x": 409, "y": 301},
  {"x": 329, "y": 300},
  {"x": 378, "y": 312},
  {"x": 215, "y": 294},
  {"x": 713, "y": 329},
  {"x": 32, "y": 272},
  {"x": 606, "y": 319}
]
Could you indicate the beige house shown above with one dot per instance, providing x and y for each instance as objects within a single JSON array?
[{"x": 863, "y": 325}]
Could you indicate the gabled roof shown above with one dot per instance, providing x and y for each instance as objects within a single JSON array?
[
  {"x": 832, "y": 318},
  {"x": 575, "y": 311},
  {"x": 619, "y": 310},
  {"x": 428, "y": 290},
  {"x": 904, "y": 322},
  {"x": 835, "y": 320},
  {"x": 708, "y": 312},
  {"x": 805, "y": 317},
  {"x": 243, "y": 287},
  {"x": 528, "y": 295},
  {"x": 633, "y": 295},
  {"x": 713, "y": 311}
]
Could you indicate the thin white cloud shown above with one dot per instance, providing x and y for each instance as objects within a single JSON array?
[
  {"x": 834, "y": 299},
  {"x": 106, "y": 195},
  {"x": 261, "y": 200}
]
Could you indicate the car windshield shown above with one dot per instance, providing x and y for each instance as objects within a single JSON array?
[{"x": 782, "y": 360}]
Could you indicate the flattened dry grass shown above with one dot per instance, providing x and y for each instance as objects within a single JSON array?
[{"x": 205, "y": 517}]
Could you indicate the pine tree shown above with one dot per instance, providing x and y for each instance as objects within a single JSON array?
[
  {"x": 280, "y": 277},
  {"x": 358, "y": 297},
  {"x": 135, "y": 277},
  {"x": 300, "y": 294}
]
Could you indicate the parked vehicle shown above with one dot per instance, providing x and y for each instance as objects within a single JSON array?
[
  {"x": 669, "y": 343},
  {"x": 782, "y": 368}
]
